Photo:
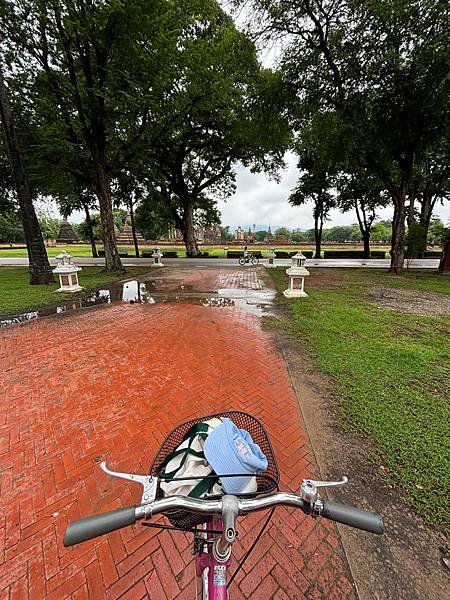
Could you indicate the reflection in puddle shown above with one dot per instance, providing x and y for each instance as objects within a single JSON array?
[
  {"x": 30, "y": 316},
  {"x": 130, "y": 291},
  {"x": 250, "y": 296},
  {"x": 218, "y": 302},
  {"x": 136, "y": 292}
]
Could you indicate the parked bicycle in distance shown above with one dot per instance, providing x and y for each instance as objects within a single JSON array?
[
  {"x": 212, "y": 519},
  {"x": 248, "y": 260}
]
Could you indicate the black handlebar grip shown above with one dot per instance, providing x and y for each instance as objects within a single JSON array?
[
  {"x": 348, "y": 515},
  {"x": 91, "y": 527}
]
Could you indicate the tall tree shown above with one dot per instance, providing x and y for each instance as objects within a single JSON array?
[
  {"x": 89, "y": 59},
  {"x": 381, "y": 68},
  {"x": 214, "y": 108},
  {"x": 314, "y": 184},
  {"x": 363, "y": 194},
  {"x": 153, "y": 216},
  {"x": 129, "y": 191},
  {"x": 40, "y": 270},
  {"x": 431, "y": 184},
  {"x": 72, "y": 196}
]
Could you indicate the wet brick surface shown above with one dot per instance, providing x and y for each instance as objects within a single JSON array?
[
  {"x": 110, "y": 382},
  {"x": 203, "y": 279}
]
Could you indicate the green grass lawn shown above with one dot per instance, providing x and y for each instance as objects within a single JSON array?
[
  {"x": 16, "y": 295},
  {"x": 391, "y": 373},
  {"x": 84, "y": 250}
]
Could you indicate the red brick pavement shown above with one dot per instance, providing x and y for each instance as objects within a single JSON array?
[
  {"x": 203, "y": 279},
  {"x": 110, "y": 382}
]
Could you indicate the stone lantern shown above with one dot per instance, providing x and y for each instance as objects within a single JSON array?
[
  {"x": 157, "y": 258},
  {"x": 272, "y": 257},
  {"x": 297, "y": 274},
  {"x": 68, "y": 273}
]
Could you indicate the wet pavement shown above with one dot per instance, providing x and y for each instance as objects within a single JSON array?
[
  {"x": 245, "y": 289},
  {"x": 109, "y": 382}
]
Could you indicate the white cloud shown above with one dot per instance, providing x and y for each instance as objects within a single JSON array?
[{"x": 262, "y": 202}]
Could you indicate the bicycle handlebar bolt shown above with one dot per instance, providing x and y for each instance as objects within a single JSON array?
[
  {"x": 230, "y": 510},
  {"x": 308, "y": 492}
]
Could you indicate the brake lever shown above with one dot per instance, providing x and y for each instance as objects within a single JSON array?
[
  {"x": 319, "y": 484},
  {"x": 148, "y": 482},
  {"x": 309, "y": 492}
]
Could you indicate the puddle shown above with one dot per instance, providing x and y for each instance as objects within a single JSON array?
[
  {"x": 251, "y": 296},
  {"x": 253, "y": 308},
  {"x": 137, "y": 292},
  {"x": 130, "y": 291}
]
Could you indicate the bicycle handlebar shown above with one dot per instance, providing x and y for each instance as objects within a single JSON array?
[{"x": 91, "y": 527}]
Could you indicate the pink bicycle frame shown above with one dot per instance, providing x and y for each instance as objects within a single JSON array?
[{"x": 217, "y": 574}]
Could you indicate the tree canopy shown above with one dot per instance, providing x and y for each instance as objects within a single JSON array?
[{"x": 372, "y": 77}]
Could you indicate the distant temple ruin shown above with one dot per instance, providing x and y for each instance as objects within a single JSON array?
[
  {"x": 203, "y": 235},
  {"x": 66, "y": 233},
  {"x": 125, "y": 237},
  {"x": 269, "y": 237},
  {"x": 239, "y": 234}
]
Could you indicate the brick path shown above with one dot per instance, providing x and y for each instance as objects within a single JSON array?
[
  {"x": 110, "y": 382},
  {"x": 203, "y": 279}
]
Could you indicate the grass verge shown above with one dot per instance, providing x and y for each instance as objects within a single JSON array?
[
  {"x": 391, "y": 375},
  {"x": 16, "y": 295},
  {"x": 84, "y": 250}
]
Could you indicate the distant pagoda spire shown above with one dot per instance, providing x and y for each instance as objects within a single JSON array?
[
  {"x": 126, "y": 236},
  {"x": 66, "y": 234}
]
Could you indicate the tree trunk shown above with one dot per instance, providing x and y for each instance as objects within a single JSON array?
[
  {"x": 39, "y": 266},
  {"x": 113, "y": 264},
  {"x": 426, "y": 210},
  {"x": 133, "y": 229},
  {"x": 444, "y": 264},
  {"x": 366, "y": 241},
  {"x": 412, "y": 197},
  {"x": 318, "y": 235},
  {"x": 364, "y": 227},
  {"x": 91, "y": 231},
  {"x": 188, "y": 229},
  {"x": 398, "y": 232}
]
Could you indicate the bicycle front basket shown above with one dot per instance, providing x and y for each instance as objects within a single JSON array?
[{"x": 266, "y": 482}]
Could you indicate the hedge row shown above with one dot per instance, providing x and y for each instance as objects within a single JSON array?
[
  {"x": 121, "y": 254},
  {"x": 201, "y": 255},
  {"x": 165, "y": 254},
  {"x": 240, "y": 253},
  {"x": 352, "y": 254},
  {"x": 285, "y": 254},
  {"x": 278, "y": 254}
]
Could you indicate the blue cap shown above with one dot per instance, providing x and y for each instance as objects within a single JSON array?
[{"x": 231, "y": 450}]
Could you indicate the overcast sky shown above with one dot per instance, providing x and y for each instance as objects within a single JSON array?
[{"x": 262, "y": 202}]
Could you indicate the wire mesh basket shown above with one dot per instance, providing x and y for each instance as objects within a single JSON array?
[{"x": 266, "y": 482}]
